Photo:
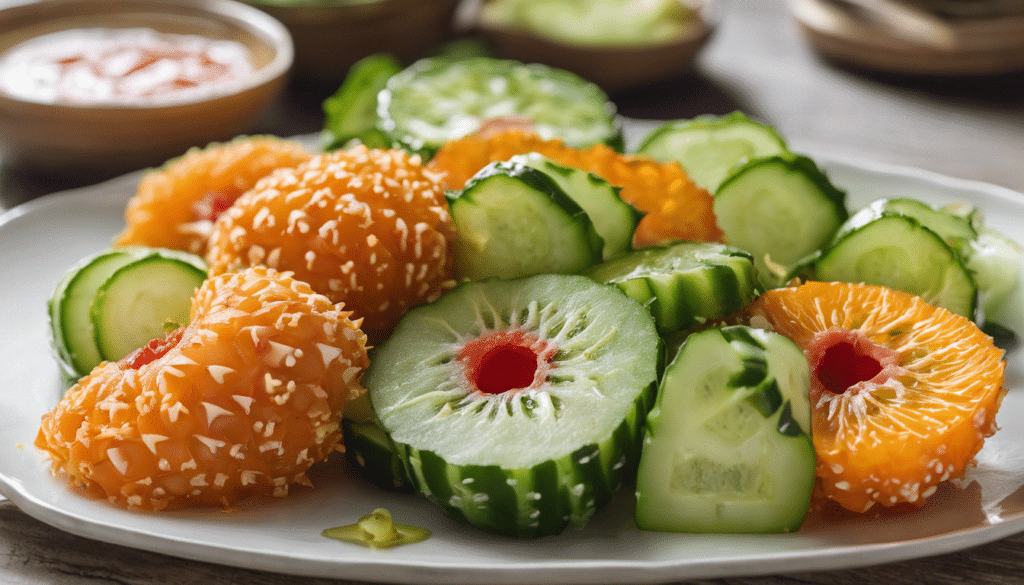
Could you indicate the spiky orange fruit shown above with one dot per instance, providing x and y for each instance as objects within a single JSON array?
[
  {"x": 242, "y": 400},
  {"x": 903, "y": 393},
  {"x": 369, "y": 228},
  {"x": 675, "y": 207},
  {"x": 175, "y": 206}
]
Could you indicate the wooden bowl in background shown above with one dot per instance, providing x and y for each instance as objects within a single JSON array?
[{"x": 110, "y": 138}]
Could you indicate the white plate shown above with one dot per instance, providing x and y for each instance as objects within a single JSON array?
[{"x": 41, "y": 239}]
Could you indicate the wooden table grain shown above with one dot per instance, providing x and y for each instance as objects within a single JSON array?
[{"x": 967, "y": 127}]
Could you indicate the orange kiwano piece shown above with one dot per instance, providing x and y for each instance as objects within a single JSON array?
[
  {"x": 903, "y": 393},
  {"x": 175, "y": 206},
  {"x": 675, "y": 207},
  {"x": 369, "y": 228},
  {"x": 241, "y": 401}
]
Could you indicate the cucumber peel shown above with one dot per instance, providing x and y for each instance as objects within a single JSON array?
[{"x": 683, "y": 284}]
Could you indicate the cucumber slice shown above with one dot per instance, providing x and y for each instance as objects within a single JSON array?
[
  {"x": 436, "y": 100},
  {"x": 142, "y": 299},
  {"x": 683, "y": 284},
  {"x": 995, "y": 263},
  {"x": 513, "y": 220},
  {"x": 614, "y": 219},
  {"x": 780, "y": 209},
  {"x": 727, "y": 445},
  {"x": 710, "y": 147},
  {"x": 351, "y": 113},
  {"x": 517, "y": 405},
  {"x": 898, "y": 251},
  {"x": 73, "y": 335}
]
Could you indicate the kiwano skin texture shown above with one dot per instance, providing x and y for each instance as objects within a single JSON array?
[
  {"x": 241, "y": 401},
  {"x": 175, "y": 206},
  {"x": 674, "y": 207},
  {"x": 369, "y": 228}
]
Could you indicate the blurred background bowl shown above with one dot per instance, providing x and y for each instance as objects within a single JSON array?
[
  {"x": 105, "y": 139},
  {"x": 331, "y": 35},
  {"x": 613, "y": 66}
]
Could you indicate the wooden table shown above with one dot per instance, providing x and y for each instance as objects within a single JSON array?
[{"x": 757, "y": 62}]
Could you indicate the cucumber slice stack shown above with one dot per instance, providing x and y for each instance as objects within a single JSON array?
[
  {"x": 513, "y": 220},
  {"x": 116, "y": 301},
  {"x": 437, "y": 99},
  {"x": 517, "y": 405},
  {"x": 683, "y": 284},
  {"x": 727, "y": 445},
  {"x": 613, "y": 219}
]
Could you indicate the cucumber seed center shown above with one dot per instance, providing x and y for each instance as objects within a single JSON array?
[
  {"x": 503, "y": 361},
  {"x": 841, "y": 359}
]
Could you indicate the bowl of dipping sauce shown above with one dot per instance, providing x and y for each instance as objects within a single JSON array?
[
  {"x": 106, "y": 86},
  {"x": 331, "y": 35},
  {"x": 617, "y": 44}
]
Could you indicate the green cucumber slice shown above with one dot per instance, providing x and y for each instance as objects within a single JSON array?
[
  {"x": 683, "y": 284},
  {"x": 73, "y": 335},
  {"x": 710, "y": 147},
  {"x": 513, "y": 220},
  {"x": 371, "y": 451},
  {"x": 140, "y": 300},
  {"x": 780, "y": 209},
  {"x": 995, "y": 263},
  {"x": 523, "y": 453},
  {"x": 956, "y": 230},
  {"x": 727, "y": 446},
  {"x": 898, "y": 251},
  {"x": 351, "y": 113},
  {"x": 614, "y": 219},
  {"x": 435, "y": 100}
]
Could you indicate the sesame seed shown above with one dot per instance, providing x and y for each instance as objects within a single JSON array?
[
  {"x": 118, "y": 459},
  {"x": 244, "y": 401},
  {"x": 151, "y": 440},
  {"x": 218, "y": 372},
  {"x": 211, "y": 443},
  {"x": 213, "y": 411}
]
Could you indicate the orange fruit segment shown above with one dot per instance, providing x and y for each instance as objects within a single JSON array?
[
  {"x": 903, "y": 393},
  {"x": 175, "y": 206},
  {"x": 243, "y": 400},
  {"x": 675, "y": 207}
]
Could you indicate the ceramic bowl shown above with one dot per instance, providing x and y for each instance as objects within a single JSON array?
[
  {"x": 331, "y": 35},
  {"x": 105, "y": 138},
  {"x": 613, "y": 68}
]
